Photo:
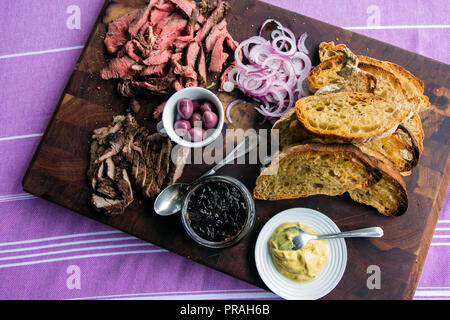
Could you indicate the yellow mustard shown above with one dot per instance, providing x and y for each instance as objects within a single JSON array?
[{"x": 300, "y": 265}]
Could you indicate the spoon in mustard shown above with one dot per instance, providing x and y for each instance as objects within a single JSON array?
[
  {"x": 170, "y": 200},
  {"x": 303, "y": 237}
]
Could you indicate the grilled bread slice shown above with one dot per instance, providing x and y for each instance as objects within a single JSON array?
[
  {"x": 412, "y": 86},
  {"x": 367, "y": 78},
  {"x": 309, "y": 169},
  {"x": 349, "y": 116},
  {"x": 280, "y": 130},
  {"x": 400, "y": 148},
  {"x": 389, "y": 194}
]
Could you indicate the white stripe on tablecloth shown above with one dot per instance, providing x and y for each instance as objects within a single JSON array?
[
  {"x": 25, "y": 136},
  {"x": 63, "y": 244},
  {"x": 106, "y": 254},
  {"x": 429, "y": 26},
  {"x": 195, "y": 295},
  {"x": 75, "y": 235},
  {"x": 432, "y": 293},
  {"x": 433, "y": 26},
  {"x": 16, "y": 197},
  {"x": 32, "y": 255},
  {"x": 31, "y": 53}
]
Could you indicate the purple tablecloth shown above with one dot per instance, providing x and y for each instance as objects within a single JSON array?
[{"x": 48, "y": 252}]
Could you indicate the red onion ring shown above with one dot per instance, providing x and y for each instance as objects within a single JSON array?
[
  {"x": 272, "y": 72},
  {"x": 230, "y": 106},
  {"x": 301, "y": 43}
]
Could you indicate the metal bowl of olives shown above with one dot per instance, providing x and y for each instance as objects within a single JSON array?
[{"x": 218, "y": 211}]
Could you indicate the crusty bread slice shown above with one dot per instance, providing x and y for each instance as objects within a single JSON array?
[
  {"x": 415, "y": 130},
  {"x": 304, "y": 170},
  {"x": 400, "y": 147},
  {"x": 412, "y": 86},
  {"x": 282, "y": 125},
  {"x": 367, "y": 78},
  {"x": 388, "y": 195},
  {"x": 349, "y": 116}
]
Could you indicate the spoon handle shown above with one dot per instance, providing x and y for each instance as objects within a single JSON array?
[
  {"x": 246, "y": 145},
  {"x": 374, "y": 232}
]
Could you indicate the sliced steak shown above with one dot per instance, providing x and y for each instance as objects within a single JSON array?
[
  {"x": 218, "y": 56},
  {"x": 136, "y": 51},
  {"x": 212, "y": 20},
  {"x": 157, "y": 70},
  {"x": 117, "y": 34},
  {"x": 140, "y": 19},
  {"x": 157, "y": 15},
  {"x": 159, "y": 110},
  {"x": 177, "y": 163},
  {"x": 192, "y": 53},
  {"x": 181, "y": 70},
  {"x": 119, "y": 68},
  {"x": 201, "y": 68},
  {"x": 185, "y": 6},
  {"x": 158, "y": 57},
  {"x": 170, "y": 29},
  {"x": 217, "y": 30}
]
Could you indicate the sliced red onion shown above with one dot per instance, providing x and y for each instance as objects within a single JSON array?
[
  {"x": 279, "y": 49},
  {"x": 230, "y": 106},
  {"x": 301, "y": 43},
  {"x": 228, "y": 86},
  {"x": 271, "y": 72}
]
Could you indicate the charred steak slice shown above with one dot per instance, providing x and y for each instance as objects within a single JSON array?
[{"x": 125, "y": 156}]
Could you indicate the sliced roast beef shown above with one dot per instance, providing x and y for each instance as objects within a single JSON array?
[
  {"x": 119, "y": 68},
  {"x": 157, "y": 70},
  {"x": 201, "y": 68},
  {"x": 164, "y": 5},
  {"x": 192, "y": 54},
  {"x": 179, "y": 156},
  {"x": 117, "y": 34},
  {"x": 140, "y": 19},
  {"x": 143, "y": 162},
  {"x": 156, "y": 85},
  {"x": 168, "y": 39},
  {"x": 157, "y": 15},
  {"x": 171, "y": 29},
  {"x": 218, "y": 56},
  {"x": 185, "y": 6},
  {"x": 158, "y": 57},
  {"x": 136, "y": 51},
  {"x": 181, "y": 70},
  {"x": 212, "y": 20},
  {"x": 146, "y": 37},
  {"x": 217, "y": 30},
  {"x": 159, "y": 110}
]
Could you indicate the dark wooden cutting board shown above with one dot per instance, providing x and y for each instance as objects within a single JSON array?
[{"x": 57, "y": 171}]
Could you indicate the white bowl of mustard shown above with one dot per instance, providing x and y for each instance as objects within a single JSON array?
[{"x": 329, "y": 268}]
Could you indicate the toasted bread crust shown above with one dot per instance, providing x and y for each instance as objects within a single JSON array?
[
  {"x": 390, "y": 177},
  {"x": 295, "y": 152},
  {"x": 412, "y": 85},
  {"x": 361, "y": 106}
]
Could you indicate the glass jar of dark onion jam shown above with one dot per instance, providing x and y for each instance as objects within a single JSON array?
[{"x": 218, "y": 211}]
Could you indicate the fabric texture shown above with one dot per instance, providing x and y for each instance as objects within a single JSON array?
[{"x": 48, "y": 252}]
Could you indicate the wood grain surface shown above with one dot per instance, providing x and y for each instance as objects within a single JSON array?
[{"x": 57, "y": 171}]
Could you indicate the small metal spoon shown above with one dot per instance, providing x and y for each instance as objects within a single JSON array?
[
  {"x": 170, "y": 200},
  {"x": 303, "y": 237}
]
